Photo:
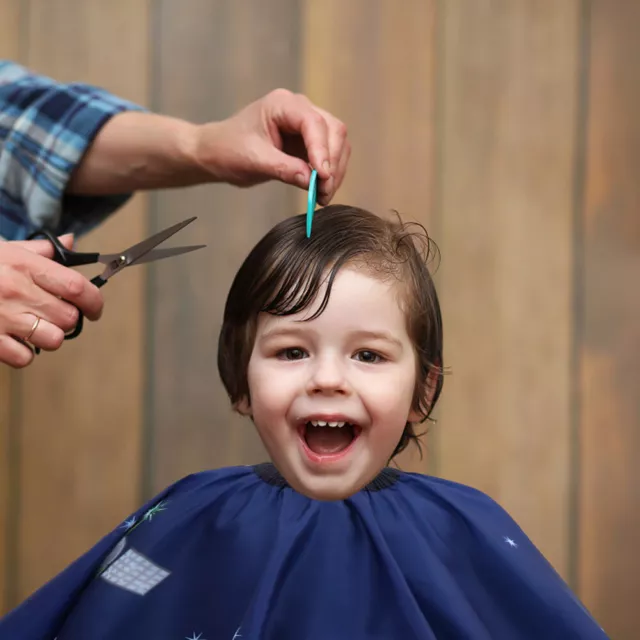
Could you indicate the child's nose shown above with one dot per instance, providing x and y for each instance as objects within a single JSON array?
[{"x": 328, "y": 375}]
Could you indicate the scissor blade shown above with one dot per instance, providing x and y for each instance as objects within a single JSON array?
[
  {"x": 155, "y": 254},
  {"x": 134, "y": 254}
]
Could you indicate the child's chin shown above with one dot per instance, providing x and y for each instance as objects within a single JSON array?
[{"x": 328, "y": 488}]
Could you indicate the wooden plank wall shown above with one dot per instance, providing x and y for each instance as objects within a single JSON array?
[
  {"x": 9, "y": 48},
  {"x": 508, "y": 128},
  {"x": 509, "y": 102},
  {"x": 608, "y": 328},
  {"x": 79, "y": 411}
]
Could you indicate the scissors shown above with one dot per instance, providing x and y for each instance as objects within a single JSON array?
[{"x": 137, "y": 254}]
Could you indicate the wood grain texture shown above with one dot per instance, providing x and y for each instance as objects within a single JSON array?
[
  {"x": 509, "y": 81},
  {"x": 10, "y": 48},
  {"x": 610, "y": 332},
  {"x": 6, "y": 484},
  {"x": 212, "y": 60},
  {"x": 356, "y": 66},
  {"x": 80, "y": 440},
  {"x": 462, "y": 115}
]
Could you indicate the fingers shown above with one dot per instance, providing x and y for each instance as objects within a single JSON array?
[
  {"x": 43, "y": 247},
  {"x": 38, "y": 332},
  {"x": 69, "y": 285},
  {"x": 52, "y": 278},
  {"x": 20, "y": 295},
  {"x": 341, "y": 170},
  {"x": 57, "y": 280},
  {"x": 67, "y": 240},
  {"x": 324, "y": 137},
  {"x": 15, "y": 349},
  {"x": 32, "y": 287},
  {"x": 339, "y": 154},
  {"x": 52, "y": 309},
  {"x": 294, "y": 114},
  {"x": 14, "y": 353},
  {"x": 280, "y": 136},
  {"x": 274, "y": 163}
]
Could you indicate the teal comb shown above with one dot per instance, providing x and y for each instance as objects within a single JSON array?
[{"x": 311, "y": 201}]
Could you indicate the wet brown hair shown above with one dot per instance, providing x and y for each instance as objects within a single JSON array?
[{"x": 285, "y": 270}]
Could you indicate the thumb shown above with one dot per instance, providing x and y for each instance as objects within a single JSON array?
[
  {"x": 283, "y": 167},
  {"x": 44, "y": 247},
  {"x": 67, "y": 240}
]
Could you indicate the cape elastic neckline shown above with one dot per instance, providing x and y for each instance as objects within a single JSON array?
[{"x": 267, "y": 471}]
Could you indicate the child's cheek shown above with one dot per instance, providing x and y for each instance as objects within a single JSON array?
[
  {"x": 389, "y": 390},
  {"x": 390, "y": 403}
]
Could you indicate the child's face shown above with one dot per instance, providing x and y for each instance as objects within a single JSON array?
[{"x": 353, "y": 364}]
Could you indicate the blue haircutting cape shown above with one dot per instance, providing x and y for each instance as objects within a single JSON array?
[{"x": 236, "y": 553}]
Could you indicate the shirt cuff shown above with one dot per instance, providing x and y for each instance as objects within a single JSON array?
[{"x": 54, "y": 126}]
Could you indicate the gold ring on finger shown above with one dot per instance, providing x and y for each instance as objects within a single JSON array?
[{"x": 33, "y": 328}]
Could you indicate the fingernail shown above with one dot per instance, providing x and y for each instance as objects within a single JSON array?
[
  {"x": 326, "y": 166},
  {"x": 301, "y": 181}
]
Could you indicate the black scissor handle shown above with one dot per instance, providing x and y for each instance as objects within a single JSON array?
[
  {"x": 68, "y": 258},
  {"x": 77, "y": 330},
  {"x": 61, "y": 254}
]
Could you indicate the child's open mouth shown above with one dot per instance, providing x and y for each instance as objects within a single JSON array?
[{"x": 328, "y": 440}]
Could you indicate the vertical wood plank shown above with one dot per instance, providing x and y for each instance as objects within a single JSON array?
[
  {"x": 355, "y": 65},
  {"x": 214, "y": 58},
  {"x": 610, "y": 332},
  {"x": 6, "y": 486},
  {"x": 10, "y": 50},
  {"x": 508, "y": 109},
  {"x": 81, "y": 406}
]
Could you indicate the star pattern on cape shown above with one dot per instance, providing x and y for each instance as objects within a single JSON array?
[{"x": 161, "y": 506}]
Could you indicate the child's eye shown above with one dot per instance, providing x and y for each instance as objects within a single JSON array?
[
  {"x": 370, "y": 357},
  {"x": 292, "y": 353}
]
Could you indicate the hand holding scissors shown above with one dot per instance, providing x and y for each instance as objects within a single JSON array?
[{"x": 55, "y": 301}]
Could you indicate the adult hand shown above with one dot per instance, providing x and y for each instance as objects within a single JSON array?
[
  {"x": 32, "y": 287},
  {"x": 274, "y": 138},
  {"x": 277, "y": 137}
]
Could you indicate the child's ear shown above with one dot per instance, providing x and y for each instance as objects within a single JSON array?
[
  {"x": 243, "y": 407},
  {"x": 431, "y": 385}
]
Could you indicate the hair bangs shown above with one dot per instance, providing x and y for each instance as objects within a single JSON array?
[{"x": 297, "y": 278}]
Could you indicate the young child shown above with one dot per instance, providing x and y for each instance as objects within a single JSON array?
[{"x": 332, "y": 346}]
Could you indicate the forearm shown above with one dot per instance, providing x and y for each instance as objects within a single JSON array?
[
  {"x": 46, "y": 128},
  {"x": 139, "y": 151}
]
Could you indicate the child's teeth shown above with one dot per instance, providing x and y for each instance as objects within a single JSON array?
[{"x": 324, "y": 423}]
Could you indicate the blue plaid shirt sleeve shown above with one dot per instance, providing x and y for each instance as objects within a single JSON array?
[{"x": 45, "y": 128}]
